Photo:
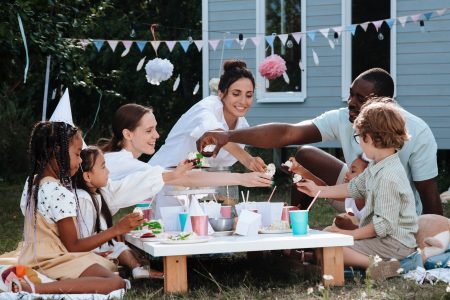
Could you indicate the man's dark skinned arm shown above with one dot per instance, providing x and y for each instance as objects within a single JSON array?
[{"x": 429, "y": 196}]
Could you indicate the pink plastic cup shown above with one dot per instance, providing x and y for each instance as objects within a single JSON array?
[
  {"x": 200, "y": 225},
  {"x": 285, "y": 213},
  {"x": 225, "y": 211},
  {"x": 148, "y": 213}
]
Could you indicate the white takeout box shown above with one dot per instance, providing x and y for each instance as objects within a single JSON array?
[
  {"x": 211, "y": 208},
  {"x": 248, "y": 223},
  {"x": 170, "y": 217},
  {"x": 270, "y": 212}
]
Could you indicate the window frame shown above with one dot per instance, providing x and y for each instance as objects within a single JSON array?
[{"x": 262, "y": 96}]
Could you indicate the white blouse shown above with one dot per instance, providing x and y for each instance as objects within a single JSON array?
[
  {"x": 118, "y": 194},
  {"x": 205, "y": 115},
  {"x": 122, "y": 163}
]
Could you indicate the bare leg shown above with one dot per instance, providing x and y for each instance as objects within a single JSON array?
[
  {"x": 95, "y": 279},
  {"x": 354, "y": 258},
  {"x": 319, "y": 163}
]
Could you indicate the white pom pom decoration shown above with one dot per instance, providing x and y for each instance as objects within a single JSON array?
[{"x": 158, "y": 70}]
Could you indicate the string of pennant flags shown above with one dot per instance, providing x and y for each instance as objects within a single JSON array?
[{"x": 241, "y": 41}]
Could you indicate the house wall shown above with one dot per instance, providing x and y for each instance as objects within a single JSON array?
[{"x": 423, "y": 62}]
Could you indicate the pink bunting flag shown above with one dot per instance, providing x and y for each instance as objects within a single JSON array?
[
  {"x": 402, "y": 20},
  {"x": 377, "y": 24},
  {"x": 199, "y": 44},
  {"x": 214, "y": 44},
  {"x": 364, "y": 25},
  {"x": 297, "y": 36},
  {"x": 84, "y": 43},
  {"x": 416, "y": 18},
  {"x": 170, "y": 45},
  {"x": 324, "y": 32},
  {"x": 155, "y": 45},
  {"x": 127, "y": 45},
  {"x": 283, "y": 38},
  {"x": 112, "y": 44},
  {"x": 256, "y": 40}
]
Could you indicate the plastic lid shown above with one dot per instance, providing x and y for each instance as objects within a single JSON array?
[{"x": 142, "y": 205}]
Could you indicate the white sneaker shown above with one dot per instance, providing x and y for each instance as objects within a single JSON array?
[{"x": 140, "y": 273}]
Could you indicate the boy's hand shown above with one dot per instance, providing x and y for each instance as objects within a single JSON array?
[
  {"x": 308, "y": 187},
  {"x": 256, "y": 179}
]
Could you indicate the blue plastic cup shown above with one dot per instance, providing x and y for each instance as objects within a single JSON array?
[
  {"x": 299, "y": 222},
  {"x": 183, "y": 217}
]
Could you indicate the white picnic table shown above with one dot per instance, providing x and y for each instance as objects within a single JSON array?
[{"x": 328, "y": 247}]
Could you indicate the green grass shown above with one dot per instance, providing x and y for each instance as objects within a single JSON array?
[{"x": 272, "y": 276}]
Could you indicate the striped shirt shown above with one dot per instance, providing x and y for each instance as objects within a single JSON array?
[{"x": 390, "y": 203}]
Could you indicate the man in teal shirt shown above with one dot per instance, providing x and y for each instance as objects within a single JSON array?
[{"x": 418, "y": 155}]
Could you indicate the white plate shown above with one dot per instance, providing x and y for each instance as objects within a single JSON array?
[
  {"x": 223, "y": 233},
  {"x": 151, "y": 239},
  {"x": 189, "y": 241},
  {"x": 267, "y": 231}
]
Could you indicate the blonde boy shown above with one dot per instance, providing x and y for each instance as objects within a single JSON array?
[{"x": 389, "y": 220}]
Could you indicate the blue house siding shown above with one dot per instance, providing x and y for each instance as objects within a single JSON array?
[{"x": 423, "y": 62}]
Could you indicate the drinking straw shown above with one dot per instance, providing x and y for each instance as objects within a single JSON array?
[
  {"x": 248, "y": 194},
  {"x": 228, "y": 193},
  {"x": 214, "y": 197},
  {"x": 314, "y": 200},
  {"x": 243, "y": 197},
  {"x": 273, "y": 191}
]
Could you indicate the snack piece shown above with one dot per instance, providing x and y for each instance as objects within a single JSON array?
[
  {"x": 270, "y": 170},
  {"x": 139, "y": 211},
  {"x": 156, "y": 226},
  {"x": 297, "y": 178},
  {"x": 183, "y": 236},
  {"x": 197, "y": 159},
  {"x": 209, "y": 148},
  {"x": 147, "y": 235},
  {"x": 278, "y": 225},
  {"x": 288, "y": 164}
]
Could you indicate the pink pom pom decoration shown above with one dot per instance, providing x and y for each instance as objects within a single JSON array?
[{"x": 272, "y": 67}]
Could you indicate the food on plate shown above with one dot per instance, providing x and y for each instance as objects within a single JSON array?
[
  {"x": 270, "y": 170},
  {"x": 277, "y": 225},
  {"x": 197, "y": 159},
  {"x": 183, "y": 236},
  {"x": 297, "y": 178},
  {"x": 147, "y": 235},
  {"x": 156, "y": 226}
]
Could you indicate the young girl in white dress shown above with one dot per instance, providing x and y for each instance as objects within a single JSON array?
[{"x": 52, "y": 244}]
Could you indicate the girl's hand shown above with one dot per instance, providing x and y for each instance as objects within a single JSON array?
[
  {"x": 338, "y": 230},
  {"x": 256, "y": 179},
  {"x": 182, "y": 168},
  {"x": 130, "y": 221},
  {"x": 104, "y": 253},
  {"x": 308, "y": 187},
  {"x": 255, "y": 164}
]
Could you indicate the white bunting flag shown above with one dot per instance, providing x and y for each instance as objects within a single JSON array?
[
  {"x": 197, "y": 87},
  {"x": 199, "y": 44},
  {"x": 283, "y": 38},
  {"x": 364, "y": 25},
  {"x": 155, "y": 45},
  {"x": 113, "y": 45},
  {"x": 214, "y": 44},
  {"x": 286, "y": 77},
  {"x": 140, "y": 64},
  {"x": 440, "y": 12},
  {"x": 315, "y": 57},
  {"x": 176, "y": 83},
  {"x": 403, "y": 20},
  {"x": 331, "y": 43},
  {"x": 324, "y": 32},
  {"x": 297, "y": 36},
  {"x": 256, "y": 40}
]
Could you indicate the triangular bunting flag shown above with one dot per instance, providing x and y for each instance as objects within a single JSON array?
[
  {"x": 324, "y": 32},
  {"x": 390, "y": 22},
  {"x": 256, "y": 40},
  {"x": 228, "y": 43},
  {"x": 351, "y": 28},
  {"x": 338, "y": 30},
  {"x": 315, "y": 57},
  {"x": 214, "y": 44},
  {"x": 283, "y": 38},
  {"x": 416, "y": 18},
  {"x": 99, "y": 44},
  {"x": 241, "y": 42},
  {"x": 428, "y": 15},
  {"x": 269, "y": 40},
  {"x": 155, "y": 45},
  {"x": 141, "y": 45},
  {"x": 127, "y": 45},
  {"x": 402, "y": 20},
  {"x": 311, "y": 35},
  {"x": 199, "y": 44},
  {"x": 377, "y": 24},
  {"x": 331, "y": 43},
  {"x": 440, "y": 12},
  {"x": 170, "y": 45},
  {"x": 364, "y": 25},
  {"x": 84, "y": 43},
  {"x": 297, "y": 36},
  {"x": 113, "y": 45},
  {"x": 185, "y": 44}
]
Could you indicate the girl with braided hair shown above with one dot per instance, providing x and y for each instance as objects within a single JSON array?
[{"x": 52, "y": 244}]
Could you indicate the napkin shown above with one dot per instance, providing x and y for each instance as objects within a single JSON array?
[
  {"x": 196, "y": 210},
  {"x": 248, "y": 223}
]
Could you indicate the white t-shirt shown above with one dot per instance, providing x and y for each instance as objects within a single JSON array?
[
  {"x": 350, "y": 203},
  {"x": 54, "y": 203},
  {"x": 122, "y": 163},
  {"x": 418, "y": 155},
  {"x": 205, "y": 115}
]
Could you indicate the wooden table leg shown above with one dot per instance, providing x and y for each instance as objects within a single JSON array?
[
  {"x": 175, "y": 275},
  {"x": 331, "y": 260}
]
